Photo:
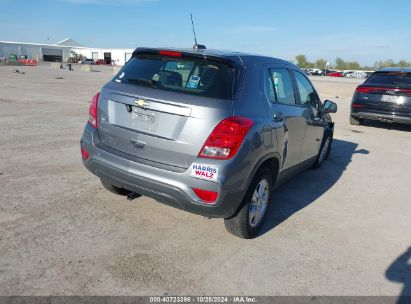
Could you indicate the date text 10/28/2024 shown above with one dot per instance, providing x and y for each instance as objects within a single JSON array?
[{"x": 203, "y": 299}]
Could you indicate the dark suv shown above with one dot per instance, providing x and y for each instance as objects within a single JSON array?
[
  {"x": 384, "y": 96},
  {"x": 210, "y": 132}
]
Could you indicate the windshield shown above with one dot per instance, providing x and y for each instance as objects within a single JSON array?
[
  {"x": 396, "y": 79},
  {"x": 189, "y": 76}
]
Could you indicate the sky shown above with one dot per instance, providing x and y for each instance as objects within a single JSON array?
[{"x": 361, "y": 30}]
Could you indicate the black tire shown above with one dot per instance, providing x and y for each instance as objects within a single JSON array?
[
  {"x": 114, "y": 189},
  {"x": 239, "y": 225},
  {"x": 327, "y": 140},
  {"x": 356, "y": 121}
]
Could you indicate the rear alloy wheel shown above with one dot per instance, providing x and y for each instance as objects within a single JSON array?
[
  {"x": 114, "y": 189},
  {"x": 246, "y": 223},
  {"x": 356, "y": 121},
  {"x": 259, "y": 203}
]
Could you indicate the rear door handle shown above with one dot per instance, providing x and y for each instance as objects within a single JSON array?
[
  {"x": 137, "y": 144},
  {"x": 278, "y": 117}
]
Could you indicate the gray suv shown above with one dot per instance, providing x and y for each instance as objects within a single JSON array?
[{"x": 210, "y": 132}]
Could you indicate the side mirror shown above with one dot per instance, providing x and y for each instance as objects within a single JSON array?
[{"x": 329, "y": 107}]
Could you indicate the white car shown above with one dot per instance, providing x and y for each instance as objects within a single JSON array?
[
  {"x": 87, "y": 61},
  {"x": 316, "y": 72},
  {"x": 348, "y": 73},
  {"x": 360, "y": 74}
]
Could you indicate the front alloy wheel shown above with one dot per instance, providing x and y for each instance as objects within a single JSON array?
[{"x": 324, "y": 150}]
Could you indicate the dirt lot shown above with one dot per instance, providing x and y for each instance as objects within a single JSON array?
[{"x": 338, "y": 230}]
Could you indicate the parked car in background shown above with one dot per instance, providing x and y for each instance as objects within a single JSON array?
[
  {"x": 87, "y": 61},
  {"x": 357, "y": 74},
  {"x": 348, "y": 73},
  {"x": 336, "y": 74},
  {"x": 318, "y": 72},
  {"x": 360, "y": 74},
  {"x": 328, "y": 72},
  {"x": 306, "y": 71},
  {"x": 384, "y": 96},
  {"x": 103, "y": 62},
  {"x": 190, "y": 128}
]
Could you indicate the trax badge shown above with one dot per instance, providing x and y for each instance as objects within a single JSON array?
[
  {"x": 142, "y": 103},
  {"x": 204, "y": 171}
]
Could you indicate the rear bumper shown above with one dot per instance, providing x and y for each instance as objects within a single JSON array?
[
  {"x": 386, "y": 117},
  {"x": 171, "y": 188}
]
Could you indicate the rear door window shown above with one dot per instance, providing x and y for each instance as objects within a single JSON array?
[
  {"x": 189, "y": 76},
  {"x": 308, "y": 95}
]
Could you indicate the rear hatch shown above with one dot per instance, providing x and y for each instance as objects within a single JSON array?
[
  {"x": 386, "y": 92},
  {"x": 162, "y": 106}
]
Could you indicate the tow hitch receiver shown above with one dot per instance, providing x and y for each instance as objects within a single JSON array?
[{"x": 132, "y": 195}]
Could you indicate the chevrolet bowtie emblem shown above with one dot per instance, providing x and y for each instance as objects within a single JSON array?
[{"x": 142, "y": 103}]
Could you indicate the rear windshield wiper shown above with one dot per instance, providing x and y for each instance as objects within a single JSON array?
[{"x": 143, "y": 81}]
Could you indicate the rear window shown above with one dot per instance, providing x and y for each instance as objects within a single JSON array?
[
  {"x": 396, "y": 79},
  {"x": 189, "y": 76}
]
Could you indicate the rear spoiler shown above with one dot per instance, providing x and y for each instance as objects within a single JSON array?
[{"x": 182, "y": 54}]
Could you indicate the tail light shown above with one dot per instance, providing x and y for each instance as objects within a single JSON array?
[
  {"x": 371, "y": 90},
  {"x": 382, "y": 90},
  {"x": 226, "y": 138},
  {"x": 364, "y": 89},
  {"x": 208, "y": 197},
  {"x": 84, "y": 153},
  {"x": 92, "y": 112}
]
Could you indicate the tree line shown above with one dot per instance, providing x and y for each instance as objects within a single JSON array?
[{"x": 340, "y": 64}]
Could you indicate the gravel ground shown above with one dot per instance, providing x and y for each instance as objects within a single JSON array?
[{"x": 341, "y": 230}]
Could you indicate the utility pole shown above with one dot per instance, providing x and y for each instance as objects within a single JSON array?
[{"x": 326, "y": 65}]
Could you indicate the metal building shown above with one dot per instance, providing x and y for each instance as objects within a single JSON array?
[{"x": 61, "y": 51}]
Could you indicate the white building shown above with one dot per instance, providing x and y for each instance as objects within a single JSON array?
[{"x": 61, "y": 52}]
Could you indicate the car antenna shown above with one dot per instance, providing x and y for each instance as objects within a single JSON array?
[{"x": 196, "y": 46}]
